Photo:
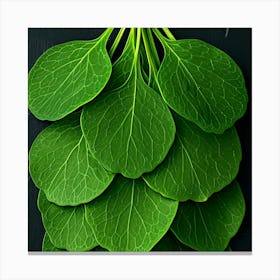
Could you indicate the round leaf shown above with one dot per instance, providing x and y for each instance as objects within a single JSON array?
[
  {"x": 202, "y": 83},
  {"x": 66, "y": 226},
  {"x": 61, "y": 164},
  {"x": 129, "y": 216},
  {"x": 129, "y": 129},
  {"x": 209, "y": 226},
  {"x": 67, "y": 76},
  {"x": 198, "y": 164}
]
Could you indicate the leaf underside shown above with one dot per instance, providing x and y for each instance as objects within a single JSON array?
[
  {"x": 129, "y": 129},
  {"x": 67, "y": 76},
  {"x": 210, "y": 225},
  {"x": 202, "y": 84},
  {"x": 198, "y": 164},
  {"x": 62, "y": 165},
  {"x": 66, "y": 226},
  {"x": 129, "y": 216}
]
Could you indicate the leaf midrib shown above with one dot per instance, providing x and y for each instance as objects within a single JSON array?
[
  {"x": 132, "y": 114},
  {"x": 129, "y": 215},
  {"x": 65, "y": 162}
]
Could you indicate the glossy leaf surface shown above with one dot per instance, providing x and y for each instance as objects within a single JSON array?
[
  {"x": 129, "y": 216},
  {"x": 62, "y": 165},
  {"x": 198, "y": 164},
  {"x": 210, "y": 225},
  {"x": 67, "y": 76}
]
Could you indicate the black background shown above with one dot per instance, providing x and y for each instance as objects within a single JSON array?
[{"x": 235, "y": 41}]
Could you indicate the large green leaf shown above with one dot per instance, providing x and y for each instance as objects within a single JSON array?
[
  {"x": 47, "y": 245},
  {"x": 67, "y": 76},
  {"x": 67, "y": 226},
  {"x": 198, "y": 164},
  {"x": 62, "y": 165},
  {"x": 209, "y": 226},
  {"x": 130, "y": 216},
  {"x": 129, "y": 129},
  {"x": 202, "y": 84}
]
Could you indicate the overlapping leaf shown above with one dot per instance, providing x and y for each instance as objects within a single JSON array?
[
  {"x": 198, "y": 164},
  {"x": 67, "y": 226},
  {"x": 62, "y": 165},
  {"x": 202, "y": 84},
  {"x": 129, "y": 129},
  {"x": 210, "y": 225},
  {"x": 67, "y": 76},
  {"x": 129, "y": 216}
]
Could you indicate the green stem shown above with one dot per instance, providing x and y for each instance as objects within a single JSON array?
[
  {"x": 153, "y": 48},
  {"x": 138, "y": 38},
  {"x": 116, "y": 42},
  {"x": 158, "y": 34},
  {"x": 168, "y": 34},
  {"x": 152, "y": 66}
]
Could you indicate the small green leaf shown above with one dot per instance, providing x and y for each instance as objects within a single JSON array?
[
  {"x": 67, "y": 76},
  {"x": 198, "y": 164},
  {"x": 129, "y": 129},
  {"x": 129, "y": 216},
  {"x": 62, "y": 166},
  {"x": 209, "y": 226},
  {"x": 169, "y": 242},
  {"x": 202, "y": 83},
  {"x": 48, "y": 246},
  {"x": 66, "y": 226}
]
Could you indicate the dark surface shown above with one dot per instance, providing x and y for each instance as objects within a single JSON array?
[{"x": 236, "y": 42}]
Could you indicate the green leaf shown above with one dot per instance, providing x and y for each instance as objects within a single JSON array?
[
  {"x": 67, "y": 226},
  {"x": 210, "y": 225},
  {"x": 129, "y": 129},
  {"x": 48, "y": 246},
  {"x": 202, "y": 83},
  {"x": 68, "y": 76},
  {"x": 198, "y": 163},
  {"x": 170, "y": 243},
  {"x": 130, "y": 216},
  {"x": 61, "y": 164}
]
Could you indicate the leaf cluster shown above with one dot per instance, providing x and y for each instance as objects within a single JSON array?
[{"x": 142, "y": 153}]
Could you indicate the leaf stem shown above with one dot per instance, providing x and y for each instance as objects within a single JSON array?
[
  {"x": 137, "y": 46},
  {"x": 107, "y": 32},
  {"x": 116, "y": 42},
  {"x": 168, "y": 34},
  {"x": 158, "y": 34},
  {"x": 153, "y": 48},
  {"x": 152, "y": 66}
]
